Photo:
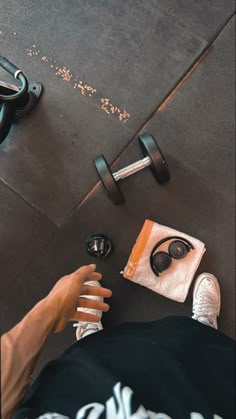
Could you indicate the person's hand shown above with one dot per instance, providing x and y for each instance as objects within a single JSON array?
[{"x": 64, "y": 297}]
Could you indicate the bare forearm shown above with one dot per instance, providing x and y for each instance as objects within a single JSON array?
[{"x": 20, "y": 348}]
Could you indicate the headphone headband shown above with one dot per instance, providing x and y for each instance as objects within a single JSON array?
[{"x": 170, "y": 238}]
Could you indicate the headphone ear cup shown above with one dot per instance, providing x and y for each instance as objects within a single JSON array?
[
  {"x": 178, "y": 249},
  {"x": 160, "y": 262}
]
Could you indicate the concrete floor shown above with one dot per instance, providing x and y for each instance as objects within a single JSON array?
[{"x": 165, "y": 67}]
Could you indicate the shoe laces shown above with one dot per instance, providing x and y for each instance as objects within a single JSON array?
[{"x": 205, "y": 308}]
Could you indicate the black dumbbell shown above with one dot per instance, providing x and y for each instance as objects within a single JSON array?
[{"x": 153, "y": 158}]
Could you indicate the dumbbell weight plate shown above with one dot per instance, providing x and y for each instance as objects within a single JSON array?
[
  {"x": 158, "y": 164},
  {"x": 107, "y": 179}
]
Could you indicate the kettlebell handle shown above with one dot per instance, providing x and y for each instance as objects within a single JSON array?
[{"x": 17, "y": 74}]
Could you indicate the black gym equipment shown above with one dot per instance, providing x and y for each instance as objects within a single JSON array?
[
  {"x": 98, "y": 246},
  {"x": 15, "y": 102},
  {"x": 108, "y": 180},
  {"x": 178, "y": 249},
  {"x": 153, "y": 158}
]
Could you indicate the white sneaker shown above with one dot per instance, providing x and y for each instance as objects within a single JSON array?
[
  {"x": 87, "y": 328},
  {"x": 206, "y": 300}
]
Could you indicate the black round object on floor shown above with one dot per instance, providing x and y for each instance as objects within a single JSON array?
[
  {"x": 98, "y": 246},
  {"x": 158, "y": 164},
  {"x": 108, "y": 180}
]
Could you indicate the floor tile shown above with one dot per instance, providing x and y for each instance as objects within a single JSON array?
[
  {"x": 124, "y": 51},
  {"x": 203, "y": 18},
  {"x": 23, "y": 232},
  {"x": 198, "y": 124}
]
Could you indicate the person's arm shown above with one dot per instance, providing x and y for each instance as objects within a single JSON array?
[{"x": 21, "y": 346}]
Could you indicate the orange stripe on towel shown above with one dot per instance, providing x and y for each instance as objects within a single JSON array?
[{"x": 138, "y": 249}]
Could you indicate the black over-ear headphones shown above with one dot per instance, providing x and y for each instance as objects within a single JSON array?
[{"x": 178, "y": 249}]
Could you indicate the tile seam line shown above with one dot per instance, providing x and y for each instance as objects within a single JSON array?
[
  {"x": 97, "y": 184},
  {"x": 188, "y": 30},
  {"x": 117, "y": 158},
  {"x": 32, "y": 206},
  {"x": 181, "y": 81},
  {"x": 199, "y": 59},
  {"x": 178, "y": 84}
]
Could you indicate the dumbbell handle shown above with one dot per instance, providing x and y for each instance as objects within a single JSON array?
[{"x": 132, "y": 168}]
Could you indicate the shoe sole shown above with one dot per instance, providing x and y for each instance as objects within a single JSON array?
[{"x": 216, "y": 282}]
